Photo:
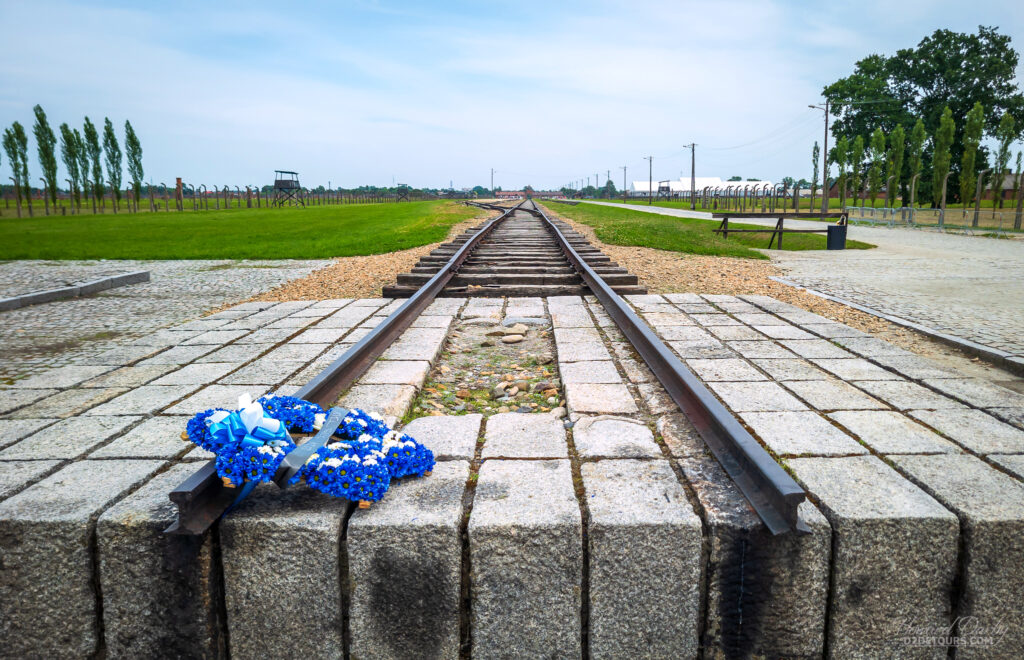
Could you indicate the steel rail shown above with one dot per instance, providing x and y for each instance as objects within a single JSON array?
[
  {"x": 202, "y": 498},
  {"x": 773, "y": 494}
]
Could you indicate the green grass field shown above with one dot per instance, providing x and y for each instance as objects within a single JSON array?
[
  {"x": 622, "y": 226},
  {"x": 286, "y": 233}
]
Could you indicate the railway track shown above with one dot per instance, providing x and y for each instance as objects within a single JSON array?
[
  {"x": 521, "y": 257},
  {"x": 522, "y": 252}
]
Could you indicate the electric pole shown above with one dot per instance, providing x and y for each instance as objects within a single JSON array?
[
  {"x": 492, "y": 181},
  {"x": 650, "y": 179},
  {"x": 623, "y": 168},
  {"x": 824, "y": 177},
  {"x": 693, "y": 176}
]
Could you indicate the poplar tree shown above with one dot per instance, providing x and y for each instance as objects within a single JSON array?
[
  {"x": 112, "y": 154},
  {"x": 815, "y": 157},
  {"x": 840, "y": 156},
  {"x": 92, "y": 146},
  {"x": 856, "y": 165},
  {"x": 133, "y": 150},
  {"x": 69, "y": 154},
  {"x": 16, "y": 145},
  {"x": 917, "y": 138},
  {"x": 941, "y": 158},
  {"x": 46, "y": 143},
  {"x": 1017, "y": 179},
  {"x": 875, "y": 171},
  {"x": 894, "y": 163},
  {"x": 1005, "y": 134},
  {"x": 82, "y": 155},
  {"x": 972, "y": 137}
]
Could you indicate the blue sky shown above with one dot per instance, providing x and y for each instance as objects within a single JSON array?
[{"x": 370, "y": 92}]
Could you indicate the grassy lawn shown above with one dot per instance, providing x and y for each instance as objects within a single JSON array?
[
  {"x": 621, "y": 226},
  {"x": 286, "y": 233}
]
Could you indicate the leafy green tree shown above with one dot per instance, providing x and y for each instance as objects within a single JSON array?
[
  {"x": 1004, "y": 134},
  {"x": 894, "y": 164},
  {"x": 735, "y": 178},
  {"x": 82, "y": 155},
  {"x": 46, "y": 143},
  {"x": 942, "y": 156},
  {"x": 69, "y": 154},
  {"x": 856, "y": 168},
  {"x": 875, "y": 171},
  {"x": 112, "y": 153},
  {"x": 16, "y": 145},
  {"x": 609, "y": 191},
  {"x": 972, "y": 138},
  {"x": 917, "y": 138},
  {"x": 133, "y": 150},
  {"x": 840, "y": 156},
  {"x": 92, "y": 147},
  {"x": 815, "y": 158},
  {"x": 944, "y": 69}
]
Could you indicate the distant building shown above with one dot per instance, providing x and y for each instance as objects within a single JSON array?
[
  {"x": 517, "y": 194},
  {"x": 680, "y": 188}
]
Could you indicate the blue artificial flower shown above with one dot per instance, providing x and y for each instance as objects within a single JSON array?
[{"x": 297, "y": 415}]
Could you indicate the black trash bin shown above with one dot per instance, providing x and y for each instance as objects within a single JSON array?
[{"x": 836, "y": 237}]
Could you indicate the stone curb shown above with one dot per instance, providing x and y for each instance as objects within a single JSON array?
[
  {"x": 84, "y": 289},
  {"x": 1002, "y": 359}
]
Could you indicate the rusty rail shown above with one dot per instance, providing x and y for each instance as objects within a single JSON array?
[
  {"x": 202, "y": 499},
  {"x": 773, "y": 494}
]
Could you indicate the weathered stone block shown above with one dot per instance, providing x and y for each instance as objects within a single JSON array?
[
  {"x": 600, "y": 398},
  {"x": 385, "y": 400},
  {"x": 15, "y": 475},
  {"x": 157, "y": 437},
  {"x": 766, "y": 595},
  {"x": 48, "y": 602},
  {"x": 281, "y": 553},
  {"x": 68, "y": 438},
  {"x": 756, "y": 397},
  {"x": 526, "y": 558},
  {"x": 614, "y": 437},
  {"x": 894, "y": 555},
  {"x": 833, "y": 395},
  {"x": 405, "y": 568},
  {"x": 145, "y": 400},
  {"x": 990, "y": 506},
  {"x": 161, "y": 593},
  {"x": 645, "y": 561},
  {"x": 524, "y": 435},
  {"x": 448, "y": 436},
  {"x": 889, "y": 432},
  {"x": 397, "y": 372},
  {"x": 974, "y": 429},
  {"x": 802, "y": 432},
  {"x": 66, "y": 376}
]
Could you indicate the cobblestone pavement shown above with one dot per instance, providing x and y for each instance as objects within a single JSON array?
[
  {"x": 53, "y": 334},
  {"x": 912, "y": 470},
  {"x": 966, "y": 286},
  {"x": 20, "y": 277},
  {"x": 969, "y": 287}
]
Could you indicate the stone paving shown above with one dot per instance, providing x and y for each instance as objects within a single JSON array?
[
  {"x": 968, "y": 287},
  {"x": 613, "y": 528},
  {"x": 40, "y": 337}
]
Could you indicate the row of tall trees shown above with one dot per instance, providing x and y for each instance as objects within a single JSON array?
[
  {"x": 947, "y": 93},
  {"x": 81, "y": 153},
  {"x": 866, "y": 166}
]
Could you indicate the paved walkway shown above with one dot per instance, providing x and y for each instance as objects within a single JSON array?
[
  {"x": 55, "y": 334},
  {"x": 968, "y": 287}
]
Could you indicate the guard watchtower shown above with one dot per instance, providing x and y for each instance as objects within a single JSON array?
[{"x": 287, "y": 188}]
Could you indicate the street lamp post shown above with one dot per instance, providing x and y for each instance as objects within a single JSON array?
[{"x": 824, "y": 167}]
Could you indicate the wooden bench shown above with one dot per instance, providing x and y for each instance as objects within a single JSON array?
[{"x": 779, "y": 229}]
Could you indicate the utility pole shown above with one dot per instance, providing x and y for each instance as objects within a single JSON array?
[
  {"x": 623, "y": 168},
  {"x": 693, "y": 175},
  {"x": 824, "y": 176},
  {"x": 492, "y": 181},
  {"x": 650, "y": 179}
]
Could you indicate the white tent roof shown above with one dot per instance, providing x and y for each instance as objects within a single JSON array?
[{"x": 683, "y": 184}]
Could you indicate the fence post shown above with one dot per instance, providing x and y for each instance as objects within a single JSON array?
[{"x": 1020, "y": 204}]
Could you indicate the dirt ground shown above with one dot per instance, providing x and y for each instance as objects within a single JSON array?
[{"x": 661, "y": 272}]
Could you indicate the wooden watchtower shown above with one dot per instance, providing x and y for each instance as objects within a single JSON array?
[{"x": 287, "y": 188}]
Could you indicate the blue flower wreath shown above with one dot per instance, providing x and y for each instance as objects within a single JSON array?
[{"x": 358, "y": 463}]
